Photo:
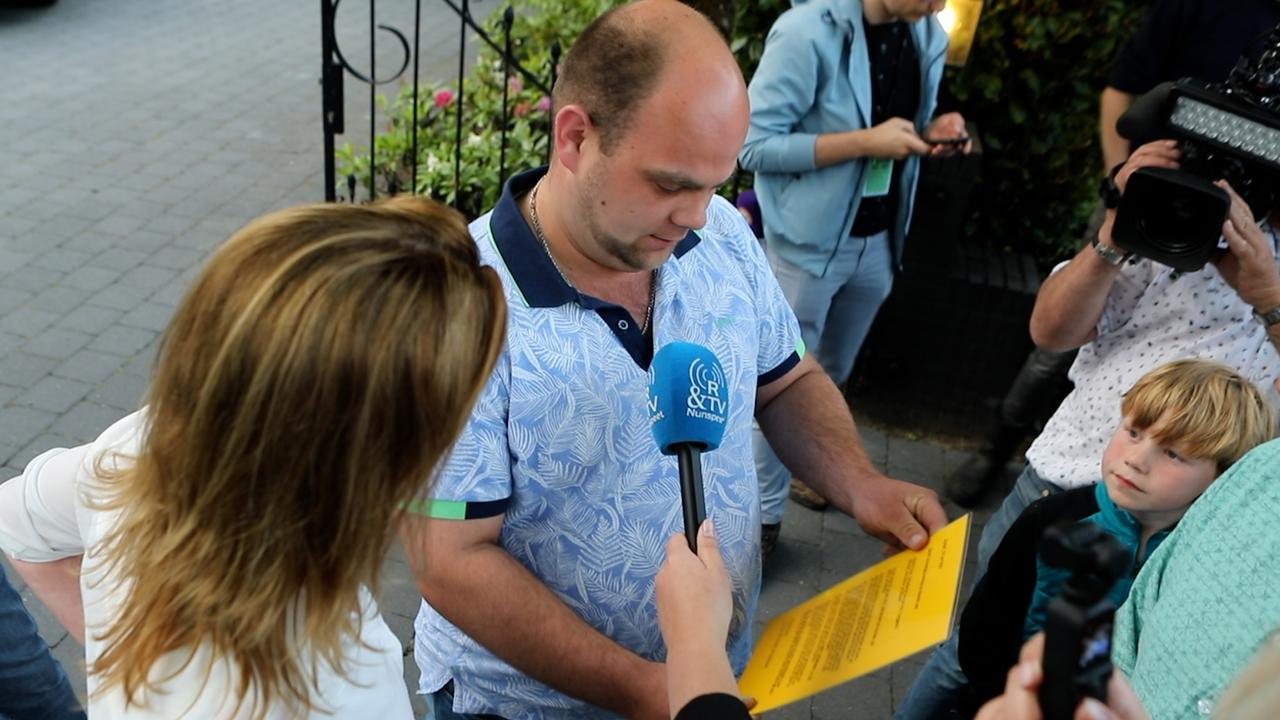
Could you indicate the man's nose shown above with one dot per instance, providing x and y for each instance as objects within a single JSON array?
[{"x": 690, "y": 211}]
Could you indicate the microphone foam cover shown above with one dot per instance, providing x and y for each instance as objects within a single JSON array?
[{"x": 688, "y": 398}]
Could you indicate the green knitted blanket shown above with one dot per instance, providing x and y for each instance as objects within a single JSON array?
[{"x": 1208, "y": 596}]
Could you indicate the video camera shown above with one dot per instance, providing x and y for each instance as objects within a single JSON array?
[
  {"x": 1077, "y": 629},
  {"x": 1225, "y": 131}
]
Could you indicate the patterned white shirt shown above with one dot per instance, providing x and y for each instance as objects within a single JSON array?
[
  {"x": 560, "y": 442},
  {"x": 1153, "y": 315}
]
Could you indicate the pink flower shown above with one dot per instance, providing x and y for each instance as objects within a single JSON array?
[
  {"x": 544, "y": 104},
  {"x": 443, "y": 97},
  {"x": 522, "y": 109},
  {"x": 514, "y": 85}
]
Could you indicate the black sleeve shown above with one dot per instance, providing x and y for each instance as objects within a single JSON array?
[
  {"x": 991, "y": 625},
  {"x": 1144, "y": 59},
  {"x": 718, "y": 706}
]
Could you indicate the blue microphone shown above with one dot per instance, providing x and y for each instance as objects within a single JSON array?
[{"x": 688, "y": 408}]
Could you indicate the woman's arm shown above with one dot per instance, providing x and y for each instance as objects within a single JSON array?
[{"x": 57, "y": 584}]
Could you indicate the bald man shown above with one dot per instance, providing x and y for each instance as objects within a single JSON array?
[{"x": 536, "y": 551}]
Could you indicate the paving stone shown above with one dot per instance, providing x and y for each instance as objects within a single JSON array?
[
  {"x": 33, "y": 279},
  {"x": 57, "y": 343},
  {"x": 121, "y": 391},
  {"x": 119, "y": 258},
  {"x": 91, "y": 279},
  {"x": 85, "y": 421},
  {"x": 168, "y": 224},
  {"x": 64, "y": 226},
  {"x": 121, "y": 340},
  {"x": 61, "y": 260},
  {"x": 147, "y": 277},
  {"x": 89, "y": 319},
  {"x": 149, "y": 316},
  {"x": 118, "y": 297},
  {"x": 9, "y": 342},
  {"x": 54, "y": 394},
  {"x": 11, "y": 298},
  {"x": 144, "y": 240},
  {"x": 27, "y": 322},
  {"x": 7, "y": 471},
  {"x": 176, "y": 258},
  {"x": 90, "y": 366},
  {"x": 59, "y": 299},
  {"x": 20, "y": 425},
  {"x": 142, "y": 364},
  {"x": 11, "y": 260}
]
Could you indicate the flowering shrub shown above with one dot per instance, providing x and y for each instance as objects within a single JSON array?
[{"x": 539, "y": 24}]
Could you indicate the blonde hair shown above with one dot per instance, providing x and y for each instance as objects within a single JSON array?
[
  {"x": 1213, "y": 413},
  {"x": 318, "y": 369}
]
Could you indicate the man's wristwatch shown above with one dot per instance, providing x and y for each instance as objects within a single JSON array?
[
  {"x": 1270, "y": 317},
  {"x": 1108, "y": 254}
]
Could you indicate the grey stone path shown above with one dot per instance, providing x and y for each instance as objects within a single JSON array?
[{"x": 136, "y": 135}]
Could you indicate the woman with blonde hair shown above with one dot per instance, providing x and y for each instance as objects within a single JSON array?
[{"x": 233, "y": 529}]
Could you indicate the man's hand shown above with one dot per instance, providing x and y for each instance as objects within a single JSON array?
[
  {"x": 1161, "y": 153},
  {"x": 1020, "y": 701},
  {"x": 901, "y": 514},
  {"x": 1249, "y": 263},
  {"x": 945, "y": 127},
  {"x": 895, "y": 139}
]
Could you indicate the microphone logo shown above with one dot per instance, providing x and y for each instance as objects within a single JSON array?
[{"x": 706, "y": 383}]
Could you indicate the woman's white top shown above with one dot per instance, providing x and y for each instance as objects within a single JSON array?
[{"x": 45, "y": 516}]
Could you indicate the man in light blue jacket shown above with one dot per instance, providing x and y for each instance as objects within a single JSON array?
[{"x": 837, "y": 104}]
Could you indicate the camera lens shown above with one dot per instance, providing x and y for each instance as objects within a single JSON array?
[{"x": 1173, "y": 231}]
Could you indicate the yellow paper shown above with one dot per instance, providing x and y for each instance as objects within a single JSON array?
[{"x": 893, "y": 609}]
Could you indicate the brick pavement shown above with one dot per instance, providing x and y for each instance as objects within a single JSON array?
[{"x": 138, "y": 135}]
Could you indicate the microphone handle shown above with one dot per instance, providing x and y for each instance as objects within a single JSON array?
[{"x": 693, "y": 501}]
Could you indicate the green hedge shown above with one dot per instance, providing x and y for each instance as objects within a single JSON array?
[{"x": 1031, "y": 87}]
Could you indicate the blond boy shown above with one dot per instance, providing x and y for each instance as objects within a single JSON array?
[{"x": 1183, "y": 425}]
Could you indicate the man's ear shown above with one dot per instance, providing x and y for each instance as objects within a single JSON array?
[{"x": 571, "y": 130}]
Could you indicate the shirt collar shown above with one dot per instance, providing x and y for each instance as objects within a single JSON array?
[{"x": 526, "y": 259}]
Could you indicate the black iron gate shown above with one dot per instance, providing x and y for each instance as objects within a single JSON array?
[{"x": 335, "y": 65}]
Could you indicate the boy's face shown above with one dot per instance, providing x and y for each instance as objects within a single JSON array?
[{"x": 1157, "y": 483}]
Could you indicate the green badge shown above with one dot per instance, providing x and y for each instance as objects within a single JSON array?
[{"x": 876, "y": 178}]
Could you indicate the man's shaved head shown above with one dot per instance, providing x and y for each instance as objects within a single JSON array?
[{"x": 620, "y": 58}]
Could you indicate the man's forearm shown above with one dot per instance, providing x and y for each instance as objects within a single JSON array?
[
  {"x": 1071, "y": 301},
  {"x": 1111, "y": 106},
  {"x": 501, "y": 605},
  {"x": 57, "y": 584},
  {"x": 838, "y": 147},
  {"x": 811, "y": 430}
]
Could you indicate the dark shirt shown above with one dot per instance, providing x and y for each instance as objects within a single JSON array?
[
  {"x": 714, "y": 707},
  {"x": 895, "y": 92},
  {"x": 1192, "y": 38}
]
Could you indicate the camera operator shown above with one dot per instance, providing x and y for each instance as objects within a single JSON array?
[{"x": 1072, "y": 306}]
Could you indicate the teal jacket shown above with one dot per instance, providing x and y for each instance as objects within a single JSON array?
[
  {"x": 1119, "y": 524},
  {"x": 1209, "y": 596},
  {"x": 813, "y": 79}
]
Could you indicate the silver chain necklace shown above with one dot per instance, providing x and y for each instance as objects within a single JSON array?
[{"x": 537, "y": 230}]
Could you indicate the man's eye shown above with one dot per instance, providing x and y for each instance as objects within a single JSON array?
[
  {"x": 1133, "y": 434},
  {"x": 668, "y": 189}
]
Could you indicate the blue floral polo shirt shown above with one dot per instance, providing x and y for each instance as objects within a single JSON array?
[{"x": 559, "y": 441}]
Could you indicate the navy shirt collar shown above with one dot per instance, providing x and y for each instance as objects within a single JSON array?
[{"x": 532, "y": 269}]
